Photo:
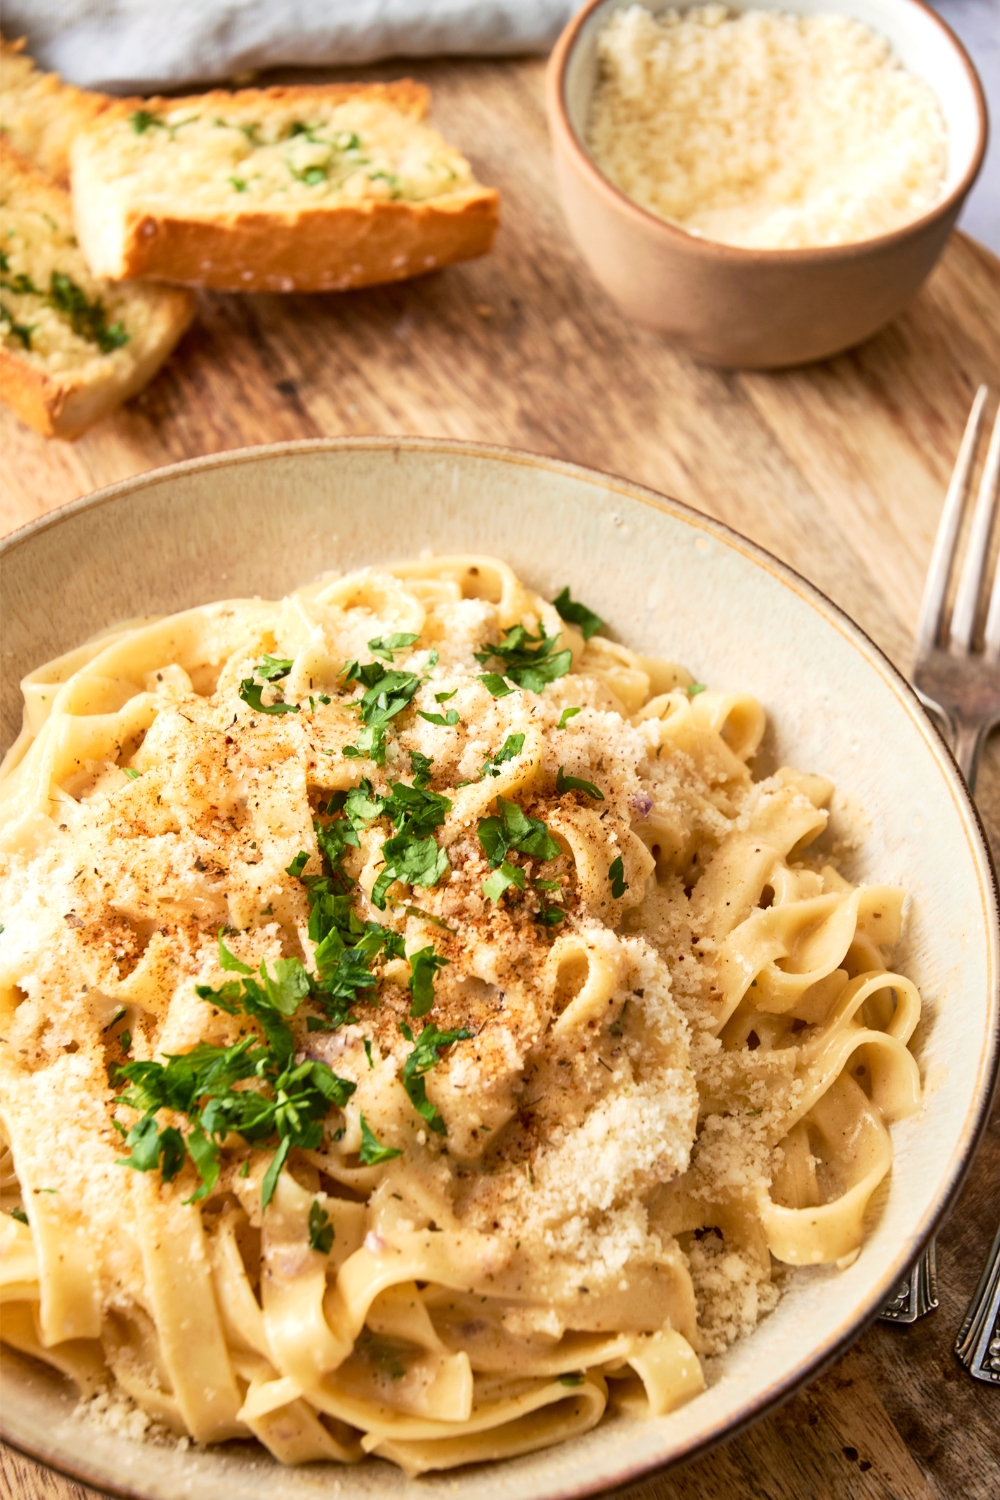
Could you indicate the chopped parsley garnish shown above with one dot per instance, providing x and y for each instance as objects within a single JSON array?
[
  {"x": 362, "y": 805},
  {"x": 285, "y": 1103},
  {"x": 19, "y": 1214},
  {"x": 388, "y": 177},
  {"x": 320, "y": 1229},
  {"x": 288, "y": 1100},
  {"x": 387, "y": 692},
  {"x": 566, "y": 715},
  {"x": 695, "y": 688},
  {"x": 410, "y": 860},
  {"x": 420, "y": 765},
  {"x": 443, "y": 697},
  {"x": 22, "y": 331},
  {"x": 142, "y": 120},
  {"x": 424, "y": 964},
  {"x": 578, "y": 614},
  {"x": 368, "y": 1053},
  {"x": 311, "y": 176},
  {"x": 506, "y": 875},
  {"x": 21, "y": 285},
  {"x": 381, "y": 1353},
  {"x": 418, "y": 1062},
  {"x": 125, "y": 1040},
  {"x": 495, "y": 684},
  {"x": 87, "y": 319},
  {"x": 513, "y": 829},
  {"x": 273, "y": 668},
  {"x": 616, "y": 874},
  {"x": 250, "y": 692},
  {"x": 344, "y": 140},
  {"x": 566, "y": 783},
  {"x": 414, "y": 809},
  {"x": 346, "y": 947},
  {"x": 509, "y": 750},
  {"x": 372, "y": 1151},
  {"x": 239, "y": 184},
  {"x": 529, "y": 660},
  {"x": 448, "y": 720},
  {"x": 334, "y": 803},
  {"x": 412, "y": 855},
  {"x": 384, "y": 646},
  {"x": 131, "y": 773},
  {"x": 571, "y": 1380}
]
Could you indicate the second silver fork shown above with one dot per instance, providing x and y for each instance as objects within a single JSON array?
[{"x": 961, "y": 688}]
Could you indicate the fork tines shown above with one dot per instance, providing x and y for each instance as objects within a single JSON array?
[{"x": 932, "y": 609}]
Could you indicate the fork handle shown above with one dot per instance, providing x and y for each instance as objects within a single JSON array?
[
  {"x": 978, "y": 1342},
  {"x": 916, "y": 1295},
  {"x": 969, "y": 739}
]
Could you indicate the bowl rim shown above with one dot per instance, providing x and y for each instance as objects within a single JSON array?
[
  {"x": 562, "y": 128},
  {"x": 977, "y": 842}
]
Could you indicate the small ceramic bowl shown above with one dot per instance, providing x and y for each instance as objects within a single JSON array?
[
  {"x": 749, "y": 308},
  {"x": 669, "y": 582}
]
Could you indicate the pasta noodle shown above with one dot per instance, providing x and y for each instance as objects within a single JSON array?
[{"x": 419, "y": 1030}]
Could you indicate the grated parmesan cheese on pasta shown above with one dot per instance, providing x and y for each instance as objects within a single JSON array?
[
  {"x": 580, "y": 1143},
  {"x": 763, "y": 129}
]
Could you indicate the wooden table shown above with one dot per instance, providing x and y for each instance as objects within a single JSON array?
[{"x": 839, "y": 468}]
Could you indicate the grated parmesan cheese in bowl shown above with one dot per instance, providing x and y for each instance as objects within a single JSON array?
[{"x": 763, "y": 129}]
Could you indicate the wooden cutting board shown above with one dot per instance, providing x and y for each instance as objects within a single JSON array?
[{"x": 840, "y": 469}]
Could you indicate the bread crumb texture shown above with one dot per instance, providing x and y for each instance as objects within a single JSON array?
[
  {"x": 39, "y": 114},
  {"x": 278, "y": 150},
  {"x": 765, "y": 129},
  {"x": 72, "y": 346},
  {"x": 286, "y": 189}
]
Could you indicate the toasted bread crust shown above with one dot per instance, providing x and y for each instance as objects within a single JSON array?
[
  {"x": 64, "y": 404},
  {"x": 315, "y": 248},
  {"x": 404, "y": 94}
]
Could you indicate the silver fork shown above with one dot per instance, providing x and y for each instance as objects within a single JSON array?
[{"x": 961, "y": 688}]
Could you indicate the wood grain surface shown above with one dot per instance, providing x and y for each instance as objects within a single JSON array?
[{"x": 840, "y": 469}]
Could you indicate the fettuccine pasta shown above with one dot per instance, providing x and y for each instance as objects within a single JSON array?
[{"x": 419, "y": 1030}]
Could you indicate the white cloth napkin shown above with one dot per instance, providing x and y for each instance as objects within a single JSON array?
[{"x": 138, "y": 46}]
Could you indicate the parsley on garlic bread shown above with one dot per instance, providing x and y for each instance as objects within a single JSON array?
[
  {"x": 282, "y": 189},
  {"x": 72, "y": 348}
]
